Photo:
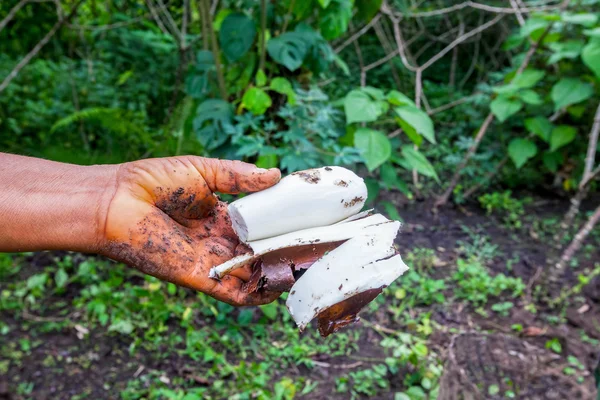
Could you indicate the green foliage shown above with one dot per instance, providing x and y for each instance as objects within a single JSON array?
[
  {"x": 476, "y": 285},
  {"x": 508, "y": 207},
  {"x": 374, "y": 145},
  {"x": 236, "y": 35}
]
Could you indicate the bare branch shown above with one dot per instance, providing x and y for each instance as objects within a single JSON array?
[
  {"x": 451, "y": 104},
  {"x": 12, "y": 75},
  {"x": 478, "y": 6},
  {"x": 12, "y": 13},
  {"x": 170, "y": 20},
  {"x": 461, "y": 39},
  {"x": 358, "y": 34},
  {"x": 157, "y": 18},
  {"x": 518, "y": 13},
  {"x": 592, "y": 147},
  {"x": 577, "y": 241}
]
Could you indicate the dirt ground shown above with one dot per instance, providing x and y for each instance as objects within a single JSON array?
[{"x": 60, "y": 358}]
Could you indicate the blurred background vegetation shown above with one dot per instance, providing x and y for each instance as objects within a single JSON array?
[{"x": 429, "y": 100}]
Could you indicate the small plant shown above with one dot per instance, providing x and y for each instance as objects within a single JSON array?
[
  {"x": 508, "y": 207},
  {"x": 476, "y": 285},
  {"x": 503, "y": 308},
  {"x": 554, "y": 345}
]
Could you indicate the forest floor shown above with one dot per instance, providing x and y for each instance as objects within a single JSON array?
[{"x": 75, "y": 326}]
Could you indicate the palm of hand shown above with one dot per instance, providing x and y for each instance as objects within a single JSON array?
[{"x": 165, "y": 220}]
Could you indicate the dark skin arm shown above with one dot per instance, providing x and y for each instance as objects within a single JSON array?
[{"x": 158, "y": 215}]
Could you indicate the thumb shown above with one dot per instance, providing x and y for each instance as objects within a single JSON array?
[{"x": 234, "y": 177}]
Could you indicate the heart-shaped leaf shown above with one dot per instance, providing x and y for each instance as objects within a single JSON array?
[
  {"x": 521, "y": 150},
  {"x": 374, "y": 145},
  {"x": 503, "y": 107},
  {"x": 561, "y": 136},
  {"x": 569, "y": 91}
]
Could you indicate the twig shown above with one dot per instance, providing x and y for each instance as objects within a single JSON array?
[
  {"x": 12, "y": 13},
  {"x": 450, "y": 105},
  {"x": 479, "y": 6},
  {"x": 215, "y": 49},
  {"x": 588, "y": 175},
  {"x": 518, "y": 13},
  {"x": 358, "y": 34},
  {"x": 13, "y": 74},
  {"x": 156, "y": 17},
  {"x": 443, "y": 199},
  {"x": 577, "y": 241},
  {"x": 263, "y": 28},
  {"x": 461, "y": 39},
  {"x": 170, "y": 20},
  {"x": 288, "y": 16}
]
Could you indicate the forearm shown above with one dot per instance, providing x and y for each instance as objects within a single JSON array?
[{"x": 45, "y": 205}]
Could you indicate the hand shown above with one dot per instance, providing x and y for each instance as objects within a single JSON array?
[{"x": 165, "y": 221}]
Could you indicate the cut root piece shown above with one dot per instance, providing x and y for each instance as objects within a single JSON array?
[
  {"x": 325, "y": 234},
  {"x": 306, "y": 235},
  {"x": 359, "y": 265},
  {"x": 302, "y": 200}
]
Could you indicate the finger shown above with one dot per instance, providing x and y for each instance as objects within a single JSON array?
[
  {"x": 234, "y": 177},
  {"x": 243, "y": 273},
  {"x": 229, "y": 290}
]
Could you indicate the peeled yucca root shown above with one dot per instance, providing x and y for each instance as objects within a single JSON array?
[{"x": 306, "y": 235}]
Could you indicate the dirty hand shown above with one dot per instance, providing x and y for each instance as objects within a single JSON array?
[{"x": 157, "y": 215}]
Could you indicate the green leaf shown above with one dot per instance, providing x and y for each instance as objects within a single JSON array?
[
  {"x": 569, "y": 49},
  {"x": 391, "y": 211},
  {"x": 236, "y": 36},
  {"x": 334, "y": 20},
  {"x": 324, "y": 3},
  {"x": 261, "y": 78},
  {"x": 374, "y": 146},
  {"x": 521, "y": 150},
  {"x": 389, "y": 176},
  {"x": 418, "y": 120},
  {"x": 375, "y": 93},
  {"x": 360, "y": 107},
  {"x": 218, "y": 114},
  {"x": 561, "y": 136},
  {"x": 267, "y": 161},
  {"x": 528, "y": 78},
  {"x": 591, "y": 56},
  {"x": 398, "y": 99},
  {"x": 552, "y": 160},
  {"x": 367, "y": 9},
  {"x": 493, "y": 390},
  {"x": 412, "y": 134},
  {"x": 341, "y": 64},
  {"x": 373, "y": 189},
  {"x": 288, "y": 49},
  {"x": 502, "y": 107},
  {"x": 530, "y": 97},
  {"x": 256, "y": 100},
  {"x": 270, "y": 310},
  {"x": 569, "y": 91},
  {"x": 595, "y": 33},
  {"x": 37, "y": 281},
  {"x": 509, "y": 89},
  {"x": 418, "y": 161},
  {"x": 540, "y": 126},
  {"x": 123, "y": 326},
  {"x": 61, "y": 278},
  {"x": 512, "y": 42},
  {"x": 534, "y": 27},
  {"x": 283, "y": 86},
  {"x": 220, "y": 17},
  {"x": 586, "y": 19}
]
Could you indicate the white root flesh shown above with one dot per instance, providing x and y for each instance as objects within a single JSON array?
[
  {"x": 302, "y": 200},
  {"x": 360, "y": 264},
  {"x": 325, "y": 234}
]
